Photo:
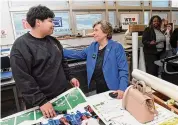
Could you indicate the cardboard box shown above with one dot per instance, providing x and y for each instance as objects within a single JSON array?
[{"x": 136, "y": 28}]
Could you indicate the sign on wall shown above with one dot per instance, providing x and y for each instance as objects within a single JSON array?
[
  {"x": 127, "y": 19},
  {"x": 57, "y": 21},
  {"x": 61, "y": 24}
]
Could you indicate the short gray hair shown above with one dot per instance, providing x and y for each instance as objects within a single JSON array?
[{"x": 106, "y": 27}]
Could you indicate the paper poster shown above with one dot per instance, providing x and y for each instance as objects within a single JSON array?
[
  {"x": 73, "y": 108},
  {"x": 112, "y": 113},
  {"x": 61, "y": 24},
  {"x": 57, "y": 21},
  {"x": 127, "y": 19},
  {"x": 9, "y": 121},
  {"x": 135, "y": 50},
  {"x": 83, "y": 114},
  {"x": 172, "y": 121},
  {"x": 70, "y": 106}
]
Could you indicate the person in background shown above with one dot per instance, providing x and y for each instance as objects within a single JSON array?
[
  {"x": 37, "y": 62},
  {"x": 154, "y": 44},
  {"x": 174, "y": 41},
  {"x": 164, "y": 25},
  {"x": 107, "y": 66},
  {"x": 167, "y": 34}
]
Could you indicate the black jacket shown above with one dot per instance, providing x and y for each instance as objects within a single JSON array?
[
  {"x": 148, "y": 36},
  {"x": 174, "y": 39},
  {"x": 39, "y": 68}
]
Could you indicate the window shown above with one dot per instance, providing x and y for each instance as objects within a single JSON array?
[
  {"x": 129, "y": 3},
  {"x": 21, "y": 3},
  {"x": 175, "y": 17},
  {"x": 86, "y": 21},
  {"x": 162, "y": 15},
  {"x": 160, "y": 3},
  {"x": 61, "y": 22},
  {"x": 146, "y": 3},
  {"x": 174, "y": 3},
  {"x": 111, "y": 3},
  {"x": 127, "y": 19},
  {"x": 112, "y": 18},
  {"x": 19, "y": 24},
  {"x": 146, "y": 17},
  {"x": 88, "y": 2}
]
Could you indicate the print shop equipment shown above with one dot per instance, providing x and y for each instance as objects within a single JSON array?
[
  {"x": 78, "y": 67},
  {"x": 6, "y": 73}
]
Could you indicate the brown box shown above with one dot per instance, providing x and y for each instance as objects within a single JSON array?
[{"x": 136, "y": 28}]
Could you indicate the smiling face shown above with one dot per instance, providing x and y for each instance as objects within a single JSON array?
[
  {"x": 46, "y": 26},
  {"x": 156, "y": 23}
]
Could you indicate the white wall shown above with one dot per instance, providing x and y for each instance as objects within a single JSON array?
[{"x": 6, "y": 24}]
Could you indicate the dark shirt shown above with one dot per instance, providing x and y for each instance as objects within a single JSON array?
[
  {"x": 98, "y": 76},
  {"x": 39, "y": 68},
  {"x": 148, "y": 36},
  {"x": 174, "y": 39}
]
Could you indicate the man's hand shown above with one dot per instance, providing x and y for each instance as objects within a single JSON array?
[
  {"x": 120, "y": 94},
  {"x": 75, "y": 82},
  {"x": 47, "y": 110}
]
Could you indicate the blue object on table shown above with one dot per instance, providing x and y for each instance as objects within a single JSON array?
[
  {"x": 51, "y": 122},
  {"x": 72, "y": 118},
  {"x": 6, "y": 75},
  {"x": 57, "y": 122},
  {"x": 79, "y": 114}
]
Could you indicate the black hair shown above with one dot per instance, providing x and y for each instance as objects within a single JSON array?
[
  {"x": 38, "y": 12},
  {"x": 152, "y": 18}
]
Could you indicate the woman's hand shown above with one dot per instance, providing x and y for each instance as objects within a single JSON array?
[{"x": 120, "y": 94}]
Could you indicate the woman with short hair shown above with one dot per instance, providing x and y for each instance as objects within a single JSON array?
[{"x": 107, "y": 66}]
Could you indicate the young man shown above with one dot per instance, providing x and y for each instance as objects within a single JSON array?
[{"x": 37, "y": 62}]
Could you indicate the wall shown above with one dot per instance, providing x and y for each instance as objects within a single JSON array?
[{"x": 6, "y": 24}]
